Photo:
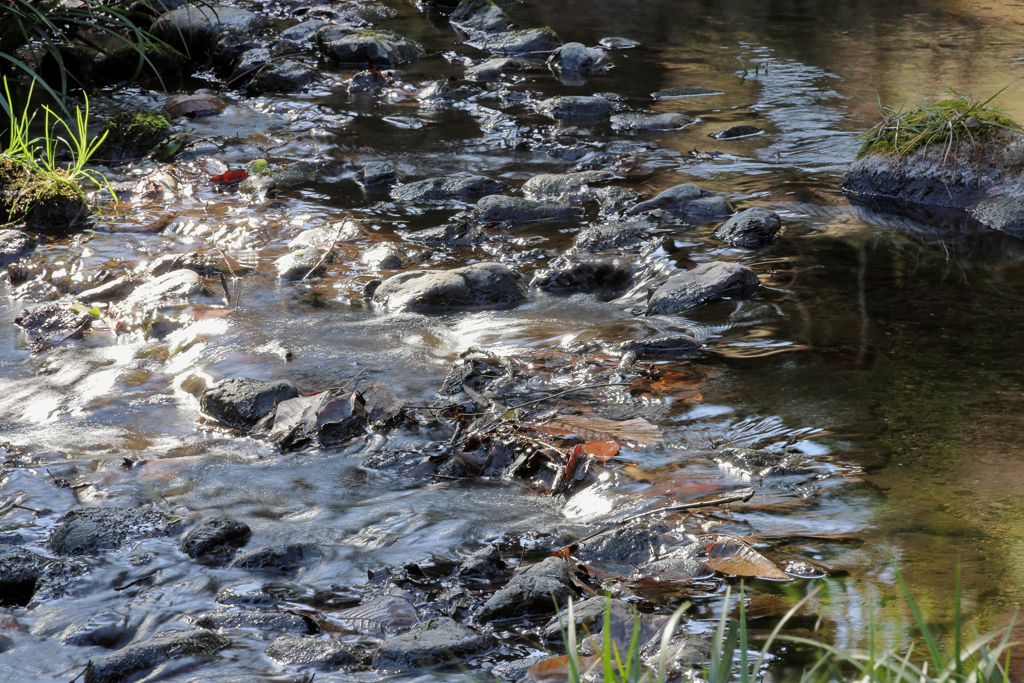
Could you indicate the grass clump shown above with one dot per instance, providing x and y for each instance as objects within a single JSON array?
[{"x": 946, "y": 124}]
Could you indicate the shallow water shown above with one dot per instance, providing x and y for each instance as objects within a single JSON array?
[{"x": 881, "y": 347}]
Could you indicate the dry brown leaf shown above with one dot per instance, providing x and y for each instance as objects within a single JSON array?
[
  {"x": 592, "y": 428},
  {"x": 381, "y": 402},
  {"x": 194, "y": 106},
  {"x": 555, "y": 668},
  {"x": 601, "y": 450},
  {"x": 730, "y": 555}
]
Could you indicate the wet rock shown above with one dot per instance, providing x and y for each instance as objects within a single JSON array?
[
  {"x": 283, "y": 559},
  {"x": 192, "y": 29},
  {"x": 177, "y": 284},
  {"x": 215, "y": 535},
  {"x": 299, "y": 265},
  {"x": 242, "y": 402},
  {"x": 754, "y": 462},
  {"x": 447, "y": 187},
  {"x": 248, "y": 62},
  {"x": 576, "y": 57},
  {"x": 93, "y": 529},
  {"x": 384, "y": 615},
  {"x": 650, "y": 121},
  {"x": 475, "y": 286},
  {"x": 588, "y": 277},
  {"x": 377, "y": 173},
  {"x": 683, "y": 91},
  {"x": 750, "y": 228},
  {"x": 634, "y": 544},
  {"x": 120, "y": 665},
  {"x": 437, "y": 641},
  {"x": 596, "y": 161},
  {"x": 615, "y": 199},
  {"x": 20, "y": 571},
  {"x": 310, "y": 652},
  {"x": 203, "y": 263},
  {"x": 705, "y": 283},
  {"x": 614, "y": 235},
  {"x": 495, "y": 68},
  {"x": 517, "y": 670},
  {"x": 52, "y": 319},
  {"x": 302, "y": 34},
  {"x": 668, "y": 346},
  {"x": 257, "y": 619},
  {"x": 344, "y": 44},
  {"x": 280, "y": 178},
  {"x": 384, "y": 256},
  {"x": 445, "y": 93},
  {"x": 118, "y": 288},
  {"x": 685, "y": 201},
  {"x": 484, "y": 563},
  {"x": 534, "y": 41},
  {"x": 246, "y": 595},
  {"x": 512, "y": 211},
  {"x": 679, "y": 566},
  {"x": 479, "y": 15},
  {"x": 134, "y": 134},
  {"x": 588, "y": 616},
  {"x": 617, "y": 43},
  {"x": 281, "y": 77},
  {"x": 743, "y": 131},
  {"x": 14, "y": 244},
  {"x": 575, "y": 107},
  {"x": 531, "y": 592},
  {"x": 107, "y": 630},
  {"x": 565, "y": 186},
  {"x": 367, "y": 81}
]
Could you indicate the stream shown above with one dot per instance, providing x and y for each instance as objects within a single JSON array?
[{"x": 878, "y": 349}]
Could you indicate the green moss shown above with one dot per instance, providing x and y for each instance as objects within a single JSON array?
[
  {"x": 134, "y": 134},
  {"x": 945, "y": 124},
  {"x": 47, "y": 203}
]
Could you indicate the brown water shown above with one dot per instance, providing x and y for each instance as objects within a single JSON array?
[{"x": 886, "y": 349}]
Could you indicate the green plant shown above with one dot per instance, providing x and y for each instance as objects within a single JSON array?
[{"x": 950, "y": 121}]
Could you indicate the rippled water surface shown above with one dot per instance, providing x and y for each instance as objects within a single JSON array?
[{"x": 887, "y": 350}]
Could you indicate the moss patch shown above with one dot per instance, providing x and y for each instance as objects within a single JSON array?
[
  {"x": 131, "y": 135},
  {"x": 48, "y": 204},
  {"x": 947, "y": 124}
]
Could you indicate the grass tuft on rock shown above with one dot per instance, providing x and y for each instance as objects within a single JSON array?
[
  {"x": 133, "y": 134},
  {"x": 944, "y": 125}
]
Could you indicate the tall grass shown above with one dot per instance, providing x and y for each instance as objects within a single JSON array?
[{"x": 984, "y": 659}]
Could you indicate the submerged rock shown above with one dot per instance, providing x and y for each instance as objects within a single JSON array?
[
  {"x": 215, "y": 535},
  {"x": 750, "y": 228},
  {"x": 532, "y": 592},
  {"x": 683, "y": 91},
  {"x": 668, "y": 346},
  {"x": 685, "y": 201},
  {"x": 614, "y": 235},
  {"x": 119, "y": 666},
  {"x": 495, "y": 68},
  {"x": 743, "y": 131},
  {"x": 177, "y": 284},
  {"x": 570, "y": 107},
  {"x": 310, "y": 652},
  {"x": 475, "y": 286},
  {"x": 447, "y": 187},
  {"x": 280, "y": 178},
  {"x": 512, "y": 211},
  {"x": 651, "y": 121},
  {"x": 92, "y": 529},
  {"x": 761, "y": 463},
  {"x": 633, "y": 544},
  {"x": 588, "y": 277},
  {"x": 479, "y": 15},
  {"x": 679, "y": 566},
  {"x": 484, "y": 563},
  {"x": 257, "y": 619},
  {"x": 242, "y": 402},
  {"x": 705, "y": 283},
  {"x": 344, "y": 44},
  {"x": 283, "y": 559},
  {"x": 377, "y": 173},
  {"x": 14, "y": 245},
  {"x": 565, "y": 186},
  {"x": 281, "y": 77},
  {"x": 20, "y": 571},
  {"x": 576, "y": 57},
  {"x": 618, "y": 43},
  {"x": 434, "y": 642},
  {"x": 533, "y": 41}
]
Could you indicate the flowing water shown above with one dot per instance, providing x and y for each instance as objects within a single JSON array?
[{"x": 885, "y": 349}]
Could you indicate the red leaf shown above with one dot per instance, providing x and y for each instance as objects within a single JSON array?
[
  {"x": 601, "y": 450},
  {"x": 230, "y": 177}
]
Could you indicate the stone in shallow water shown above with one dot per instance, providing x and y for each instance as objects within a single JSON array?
[
  {"x": 215, "y": 535},
  {"x": 119, "y": 666},
  {"x": 495, "y": 68},
  {"x": 242, "y": 402},
  {"x": 704, "y": 284},
  {"x": 447, "y": 187},
  {"x": 750, "y": 228},
  {"x": 377, "y": 173},
  {"x": 617, "y": 43},
  {"x": 534, "y": 41},
  {"x": 683, "y": 91},
  {"x": 614, "y": 235},
  {"x": 475, "y": 286},
  {"x": 281, "y": 559},
  {"x": 344, "y": 44},
  {"x": 576, "y": 57},
  {"x": 281, "y": 77},
  {"x": 743, "y": 131},
  {"x": 437, "y": 641},
  {"x": 310, "y": 652},
  {"x": 14, "y": 244},
  {"x": 568, "y": 107},
  {"x": 512, "y": 211},
  {"x": 685, "y": 201},
  {"x": 479, "y": 15},
  {"x": 651, "y": 121},
  {"x": 565, "y": 186},
  {"x": 257, "y": 619},
  {"x": 532, "y": 592},
  {"x": 91, "y": 529},
  {"x": 668, "y": 346}
]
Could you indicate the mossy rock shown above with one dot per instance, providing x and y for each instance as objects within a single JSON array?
[
  {"x": 46, "y": 204},
  {"x": 132, "y": 135}
]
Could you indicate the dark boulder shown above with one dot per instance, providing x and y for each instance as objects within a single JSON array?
[
  {"x": 575, "y": 107},
  {"x": 635, "y": 121},
  {"x": 107, "y": 629},
  {"x": 344, "y": 44},
  {"x": 14, "y": 244},
  {"x": 192, "y": 29},
  {"x": 495, "y": 68},
  {"x": 606, "y": 276},
  {"x": 241, "y": 402},
  {"x": 20, "y": 572},
  {"x": 314, "y": 652},
  {"x": 668, "y": 346},
  {"x": 91, "y": 529},
  {"x": 750, "y": 228},
  {"x": 282, "y": 559},
  {"x": 119, "y": 666},
  {"x": 52, "y": 318},
  {"x": 685, "y": 201},
  {"x": 479, "y": 15},
  {"x": 258, "y": 620},
  {"x": 434, "y": 642},
  {"x": 743, "y": 131},
  {"x": 377, "y": 173},
  {"x": 134, "y": 134},
  {"x": 512, "y": 211},
  {"x": 614, "y": 235},
  {"x": 633, "y": 544},
  {"x": 368, "y": 81},
  {"x": 571, "y": 187},
  {"x": 527, "y": 42},
  {"x": 281, "y": 77},
  {"x": 476, "y": 286},
  {"x": 447, "y": 187},
  {"x": 302, "y": 34},
  {"x": 576, "y": 57},
  {"x": 484, "y": 563},
  {"x": 531, "y": 592},
  {"x": 705, "y": 283},
  {"x": 215, "y": 535}
]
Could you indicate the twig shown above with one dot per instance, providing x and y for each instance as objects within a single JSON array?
[
  {"x": 345, "y": 385},
  {"x": 742, "y": 497},
  {"x": 136, "y": 581},
  {"x": 341, "y": 227},
  {"x": 80, "y": 673}
]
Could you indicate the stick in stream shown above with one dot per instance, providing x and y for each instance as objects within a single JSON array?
[
  {"x": 742, "y": 497},
  {"x": 330, "y": 250}
]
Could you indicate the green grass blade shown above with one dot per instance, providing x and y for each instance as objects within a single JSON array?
[{"x": 926, "y": 632}]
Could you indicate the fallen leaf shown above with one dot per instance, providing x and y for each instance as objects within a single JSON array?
[
  {"x": 675, "y": 383},
  {"x": 592, "y": 428},
  {"x": 381, "y": 402},
  {"x": 601, "y": 450},
  {"x": 730, "y": 555},
  {"x": 556, "y": 668},
  {"x": 194, "y": 105},
  {"x": 236, "y": 176}
]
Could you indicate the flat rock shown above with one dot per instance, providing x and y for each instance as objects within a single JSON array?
[
  {"x": 476, "y": 286},
  {"x": 242, "y": 402},
  {"x": 447, "y": 187},
  {"x": 613, "y": 235},
  {"x": 479, "y": 15},
  {"x": 194, "y": 28},
  {"x": 683, "y": 91},
  {"x": 705, "y": 283},
  {"x": 434, "y": 642},
  {"x": 14, "y": 244},
  {"x": 744, "y": 131},
  {"x": 651, "y": 121},
  {"x": 52, "y": 318},
  {"x": 512, "y": 211},
  {"x": 576, "y": 57},
  {"x": 634, "y": 544},
  {"x": 119, "y": 666},
  {"x": 685, "y": 201},
  {"x": 533, "y": 41},
  {"x": 606, "y": 276},
  {"x": 344, "y": 44},
  {"x": 575, "y": 107},
  {"x": 572, "y": 187},
  {"x": 285, "y": 76},
  {"x": 177, "y": 284},
  {"x": 88, "y": 530},
  {"x": 377, "y": 173},
  {"x": 282, "y": 559},
  {"x": 679, "y": 566},
  {"x": 667, "y": 346},
  {"x": 315, "y": 652},
  {"x": 215, "y": 535},
  {"x": 531, "y": 592},
  {"x": 258, "y": 620},
  {"x": 495, "y": 68},
  {"x": 484, "y": 563},
  {"x": 750, "y": 228}
]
